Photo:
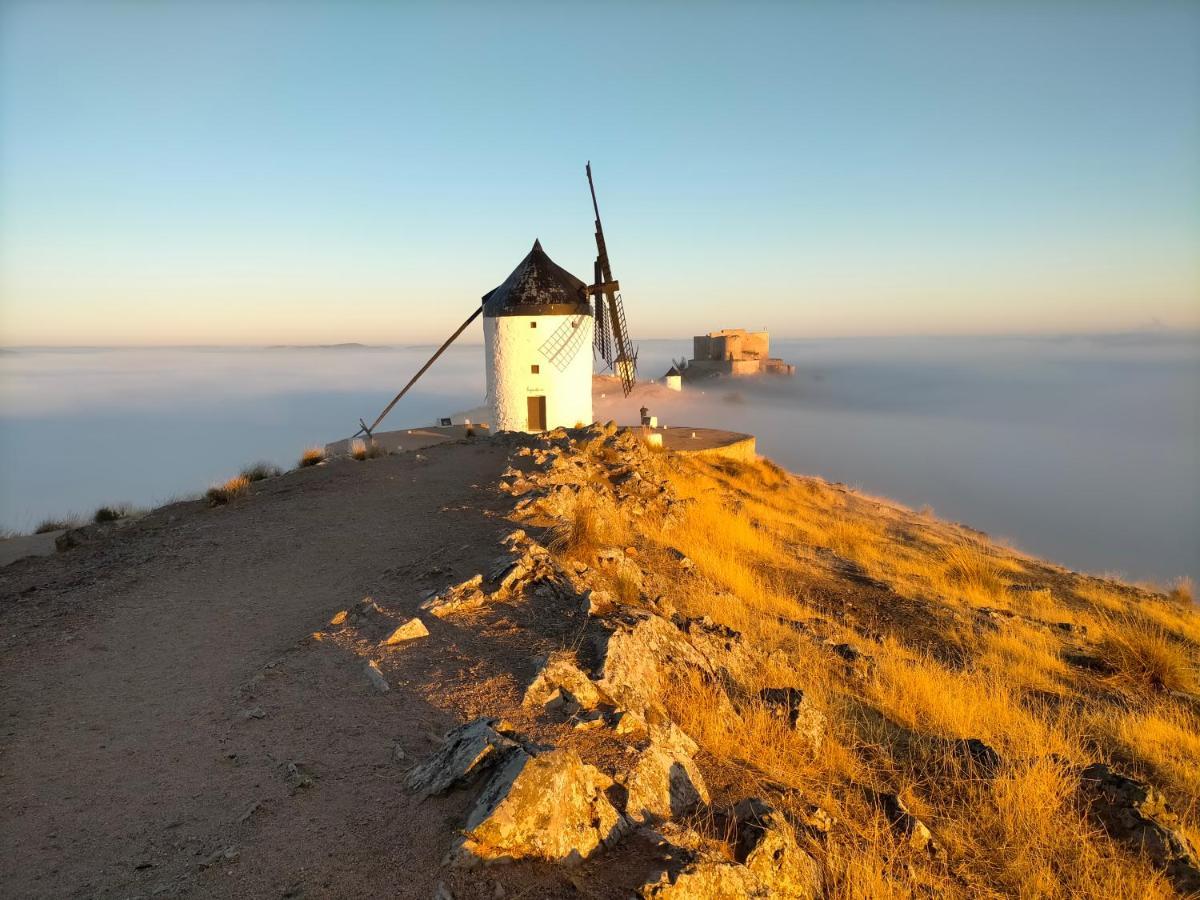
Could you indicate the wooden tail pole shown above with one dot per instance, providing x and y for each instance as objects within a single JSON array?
[{"x": 440, "y": 350}]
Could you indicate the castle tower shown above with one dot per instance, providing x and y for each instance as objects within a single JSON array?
[{"x": 537, "y": 338}]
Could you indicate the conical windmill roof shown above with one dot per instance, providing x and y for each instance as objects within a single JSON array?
[{"x": 538, "y": 287}]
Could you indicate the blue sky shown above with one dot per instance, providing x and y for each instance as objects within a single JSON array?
[{"x": 317, "y": 172}]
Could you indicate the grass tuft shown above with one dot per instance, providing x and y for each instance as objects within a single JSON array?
[
  {"x": 260, "y": 471},
  {"x": 362, "y": 450},
  {"x": 1181, "y": 592},
  {"x": 591, "y": 524},
  {"x": 1145, "y": 657},
  {"x": 311, "y": 456},
  {"x": 974, "y": 572},
  {"x": 235, "y": 487},
  {"x": 112, "y": 513},
  {"x": 48, "y": 525}
]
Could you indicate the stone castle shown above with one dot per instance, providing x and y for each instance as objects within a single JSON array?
[{"x": 734, "y": 351}]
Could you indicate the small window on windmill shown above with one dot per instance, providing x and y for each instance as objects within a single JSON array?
[
  {"x": 535, "y": 368},
  {"x": 533, "y": 324}
]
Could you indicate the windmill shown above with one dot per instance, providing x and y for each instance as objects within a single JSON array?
[
  {"x": 543, "y": 314},
  {"x": 612, "y": 333}
]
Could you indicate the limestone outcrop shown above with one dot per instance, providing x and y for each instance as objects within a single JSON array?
[
  {"x": 709, "y": 878},
  {"x": 665, "y": 782},
  {"x": 766, "y": 845},
  {"x": 561, "y": 677},
  {"x": 551, "y": 807},
  {"x": 1137, "y": 815},
  {"x": 639, "y": 655},
  {"x": 466, "y": 753}
]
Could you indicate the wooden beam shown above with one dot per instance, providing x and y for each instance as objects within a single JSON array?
[{"x": 608, "y": 287}]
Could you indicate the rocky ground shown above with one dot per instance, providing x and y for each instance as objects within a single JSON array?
[{"x": 421, "y": 676}]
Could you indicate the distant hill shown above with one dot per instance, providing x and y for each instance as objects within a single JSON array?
[{"x": 351, "y": 345}]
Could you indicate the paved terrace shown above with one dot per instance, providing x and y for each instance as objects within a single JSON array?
[{"x": 682, "y": 439}]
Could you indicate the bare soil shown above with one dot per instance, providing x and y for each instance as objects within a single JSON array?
[{"x": 171, "y": 727}]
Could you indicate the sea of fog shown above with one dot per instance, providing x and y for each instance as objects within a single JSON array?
[{"x": 1085, "y": 450}]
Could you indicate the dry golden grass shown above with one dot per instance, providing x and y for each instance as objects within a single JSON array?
[
  {"x": 1146, "y": 657},
  {"x": 235, "y": 487},
  {"x": 1031, "y": 805},
  {"x": 972, "y": 572},
  {"x": 924, "y": 695},
  {"x": 625, "y": 587},
  {"x": 769, "y": 547},
  {"x": 363, "y": 450},
  {"x": 311, "y": 456},
  {"x": 1165, "y": 740},
  {"x": 591, "y": 523},
  {"x": 754, "y": 737},
  {"x": 1181, "y": 592},
  {"x": 1027, "y": 658}
]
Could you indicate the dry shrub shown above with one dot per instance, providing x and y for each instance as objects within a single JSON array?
[
  {"x": 973, "y": 572},
  {"x": 625, "y": 587},
  {"x": 1145, "y": 657},
  {"x": 112, "y": 513},
  {"x": 48, "y": 525},
  {"x": 232, "y": 489},
  {"x": 1181, "y": 592},
  {"x": 362, "y": 450},
  {"x": 592, "y": 522},
  {"x": 311, "y": 456},
  {"x": 260, "y": 471}
]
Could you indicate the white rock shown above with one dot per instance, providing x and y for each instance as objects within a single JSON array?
[
  {"x": 410, "y": 630},
  {"x": 376, "y": 677}
]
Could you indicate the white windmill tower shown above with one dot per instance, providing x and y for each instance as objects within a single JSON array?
[
  {"x": 537, "y": 338},
  {"x": 536, "y": 326}
]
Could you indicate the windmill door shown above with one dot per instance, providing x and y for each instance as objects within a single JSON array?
[{"x": 537, "y": 413}]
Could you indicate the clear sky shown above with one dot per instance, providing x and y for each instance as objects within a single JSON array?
[{"x": 266, "y": 172}]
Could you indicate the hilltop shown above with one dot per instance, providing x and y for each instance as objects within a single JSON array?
[{"x": 616, "y": 671}]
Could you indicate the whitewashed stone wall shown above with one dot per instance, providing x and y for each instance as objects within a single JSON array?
[{"x": 512, "y": 347}]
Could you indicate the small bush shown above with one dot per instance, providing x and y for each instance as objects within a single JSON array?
[
  {"x": 48, "y": 525},
  {"x": 311, "y": 456},
  {"x": 590, "y": 525},
  {"x": 260, "y": 471},
  {"x": 112, "y": 513},
  {"x": 361, "y": 450},
  {"x": 1144, "y": 656},
  {"x": 626, "y": 587},
  {"x": 1181, "y": 592},
  {"x": 222, "y": 493},
  {"x": 974, "y": 572}
]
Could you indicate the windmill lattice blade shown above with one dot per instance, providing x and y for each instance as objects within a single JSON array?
[
  {"x": 560, "y": 348},
  {"x": 602, "y": 340},
  {"x": 626, "y": 361}
]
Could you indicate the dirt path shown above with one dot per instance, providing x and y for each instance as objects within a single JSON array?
[{"x": 156, "y": 685}]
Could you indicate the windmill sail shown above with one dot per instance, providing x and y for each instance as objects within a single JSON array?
[{"x": 612, "y": 341}]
